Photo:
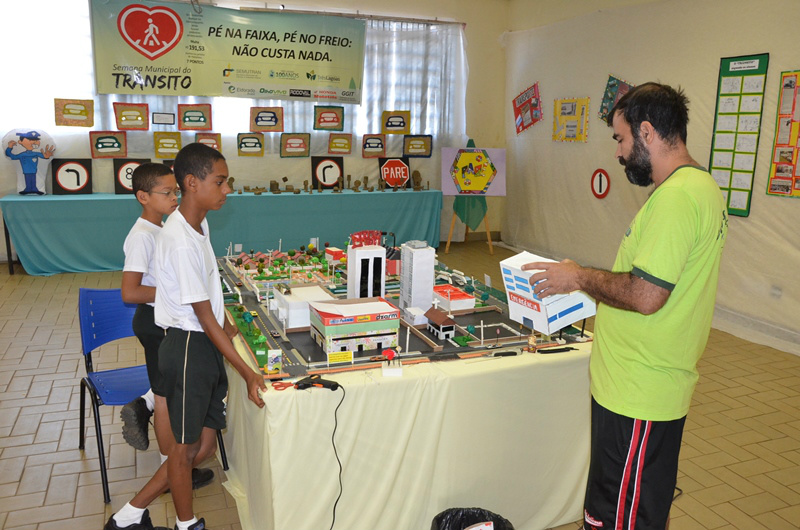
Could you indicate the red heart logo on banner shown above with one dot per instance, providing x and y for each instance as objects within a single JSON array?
[{"x": 150, "y": 31}]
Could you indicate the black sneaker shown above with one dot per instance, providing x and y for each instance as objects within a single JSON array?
[
  {"x": 136, "y": 421},
  {"x": 199, "y": 525},
  {"x": 145, "y": 524},
  {"x": 201, "y": 477}
]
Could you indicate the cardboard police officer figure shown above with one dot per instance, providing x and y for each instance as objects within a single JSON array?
[{"x": 24, "y": 146}]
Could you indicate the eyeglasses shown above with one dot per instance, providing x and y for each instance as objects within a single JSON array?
[{"x": 176, "y": 193}]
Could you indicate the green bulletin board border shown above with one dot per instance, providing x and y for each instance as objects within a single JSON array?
[{"x": 731, "y": 67}]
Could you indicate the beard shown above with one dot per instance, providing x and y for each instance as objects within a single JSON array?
[{"x": 638, "y": 168}]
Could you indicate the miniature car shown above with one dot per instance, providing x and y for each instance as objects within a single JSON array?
[
  {"x": 75, "y": 111},
  {"x": 249, "y": 144},
  {"x": 107, "y": 144},
  {"x": 395, "y": 122},
  {"x": 328, "y": 119},
  {"x": 274, "y": 333},
  {"x": 373, "y": 144},
  {"x": 254, "y": 313},
  {"x": 238, "y": 284},
  {"x": 167, "y": 145},
  {"x": 294, "y": 145},
  {"x": 131, "y": 117},
  {"x": 266, "y": 118},
  {"x": 194, "y": 116}
]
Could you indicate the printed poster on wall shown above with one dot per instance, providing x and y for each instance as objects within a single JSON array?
[
  {"x": 784, "y": 171},
  {"x": 737, "y": 122},
  {"x": 172, "y": 50},
  {"x": 527, "y": 108}
]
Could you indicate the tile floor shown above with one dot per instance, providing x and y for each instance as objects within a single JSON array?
[{"x": 740, "y": 462}]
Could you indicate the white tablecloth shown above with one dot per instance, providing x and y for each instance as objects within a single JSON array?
[{"x": 510, "y": 435}]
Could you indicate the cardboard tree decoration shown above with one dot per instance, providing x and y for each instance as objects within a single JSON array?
[{"x": 33, "y": 149}]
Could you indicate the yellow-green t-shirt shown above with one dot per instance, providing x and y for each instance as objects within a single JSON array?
[{"x": 644, "y": 366}]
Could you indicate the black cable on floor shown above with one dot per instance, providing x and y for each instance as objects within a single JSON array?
[
  {"x": 335, "y": 452},
  {"x": 678, "y": 494}
]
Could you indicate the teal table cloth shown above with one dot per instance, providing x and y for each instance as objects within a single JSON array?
[{"x": 70, "y": 233}]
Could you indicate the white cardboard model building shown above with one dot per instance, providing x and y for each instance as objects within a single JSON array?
[
  {"x": 451, "y": 298},
  {"x": 416, "y": 279},
  {"x": 546, "y": 315},
  {"x": 293, "y": 306},
  {"x": 366, "y": 271}
]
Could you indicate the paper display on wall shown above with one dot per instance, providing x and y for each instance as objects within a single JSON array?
[
  {"x": 615, "y": 89},
  {"x": 571, "y": 120},
  {"x": 527, "y": 108},
  {"x": 784, "y": 170},
  {"x": 740, "y": 99}
]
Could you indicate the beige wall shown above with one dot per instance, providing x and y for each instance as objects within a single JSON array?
[{"x": 527, "y": 14}]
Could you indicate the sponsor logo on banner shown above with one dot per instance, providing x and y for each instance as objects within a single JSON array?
[
  {"x": 530, "y": 304},
  {"x": 299, "y": 93},
  {"x": 273, "y": 91},
  {"x": 283, "y": 74}
]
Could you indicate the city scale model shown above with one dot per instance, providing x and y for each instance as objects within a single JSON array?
[{"x": 249, "y": 279}]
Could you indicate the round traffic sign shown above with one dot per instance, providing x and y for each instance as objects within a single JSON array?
[
  {"x": 328, "y": 172},
  {"x": 125, "y": 174},
  {"x": 72, "y": 176},
  {"x": 600, "y": 183}
]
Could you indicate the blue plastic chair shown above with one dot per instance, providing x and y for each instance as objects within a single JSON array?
[{"x": 104, "y": 318}]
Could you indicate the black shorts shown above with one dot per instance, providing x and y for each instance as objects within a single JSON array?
[
  {"x": 150, "y": 335},
  {"x": 632, "y": 473},
  {"x": 195, "y": 381}
]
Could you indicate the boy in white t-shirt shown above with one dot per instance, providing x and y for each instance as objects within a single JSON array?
[
  {"x": 157, "y": 191},
  {"x": 189, "y": 306}
]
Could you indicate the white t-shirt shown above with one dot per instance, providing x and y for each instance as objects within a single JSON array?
[
  {"x": 186, "y": 272},
  {"x": 139, "y": 247}
]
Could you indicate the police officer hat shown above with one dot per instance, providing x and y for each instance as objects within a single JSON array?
[{"x": 30, "y": 135}]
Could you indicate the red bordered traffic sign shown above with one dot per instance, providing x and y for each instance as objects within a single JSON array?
[{"x": 600, "y": 183}]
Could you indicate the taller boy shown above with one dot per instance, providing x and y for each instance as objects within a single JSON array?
[{"x": 189, "y": 305}]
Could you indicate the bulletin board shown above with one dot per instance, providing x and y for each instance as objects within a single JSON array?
[
  {"x": 571, "y": 120},
  {"x": 784, "y": 171},
  {"x": 737, "y": 122}
]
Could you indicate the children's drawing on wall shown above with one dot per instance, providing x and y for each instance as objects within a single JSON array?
[
  {"x": 615, "y": 89},
  {"x": 571, "y": 120},
  {"x": 527, "y": 108},
  {"x": 29, "y": 147}
]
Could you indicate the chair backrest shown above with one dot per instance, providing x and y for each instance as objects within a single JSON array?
[{"x": 104, "y": 317}]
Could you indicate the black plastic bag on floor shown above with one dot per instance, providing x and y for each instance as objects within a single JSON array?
[{"x": 461, "y": 518}]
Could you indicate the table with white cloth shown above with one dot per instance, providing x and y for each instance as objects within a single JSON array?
[{"x": 506, "y": 434}]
